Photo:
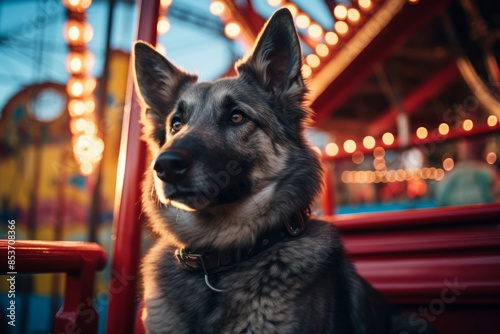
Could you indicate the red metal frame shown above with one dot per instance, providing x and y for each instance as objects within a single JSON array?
[
  {"x": 408, "y": 255},
  {"x": 132, "y": 161},
  {"x": 79, "y": 260},
  {"x": 404, "y": 25}
]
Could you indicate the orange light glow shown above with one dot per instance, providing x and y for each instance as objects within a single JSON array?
[
  {"x": 353, "y": 15},
  {"x": 365, "y": 4},
  {"x": 341, "y": 27},
  {"x": 306, "y": 71},
  {"x": 349, "y": 146},
  {"x": 315, "y": 30},
  {"x": 443, "y": 129},
  {"x": 76, "y": 107},
  {"x": 322, "y": 50},
  {"x": 448, "y": 164},
  {"x": 232, "y": 30},
  {"x": 492, "y": 120},
  {"x": 388, "y": 138},
  {"x": 491, "y": 158},
  {"x": 163, "y": 25},
  {"x": 331, "y": 38},
  {"x": 422, "y": 133},
  {"x": 467, "y": 125},
  {"x": 274, "y": 3},
  {"x": 217, "y": 8},
  {"x": 369, "y": 142},
  {"x": 303, "y": 21},
  {"x": 313, "y": 60},
  {"x": 77, "y": 5},
  {"x": 332, "y": 149},
  {"x": 340, "y": 12}
]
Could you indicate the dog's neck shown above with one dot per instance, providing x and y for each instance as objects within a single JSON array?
[{"x": 210, "y": 260}]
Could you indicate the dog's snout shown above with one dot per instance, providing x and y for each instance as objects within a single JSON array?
[{"x": 172, "y": 165}]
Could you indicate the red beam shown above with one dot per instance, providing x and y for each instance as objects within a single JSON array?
[
  {"x": 127, "y": 227},
  {"x": 404, "y": 25},
  {"x": 430, "y": 88}
]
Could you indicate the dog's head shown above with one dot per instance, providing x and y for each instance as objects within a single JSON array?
[{"x": 229, "y": 142}]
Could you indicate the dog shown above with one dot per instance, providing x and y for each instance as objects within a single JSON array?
[{"x": 229, "y": 194}]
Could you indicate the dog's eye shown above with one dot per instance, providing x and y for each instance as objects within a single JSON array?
[
  {"x": 176, "y": 124},
  {"x": 237, "y": 116}
]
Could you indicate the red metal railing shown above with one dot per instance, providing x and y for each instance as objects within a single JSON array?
[{"x": 79, "y": 260}]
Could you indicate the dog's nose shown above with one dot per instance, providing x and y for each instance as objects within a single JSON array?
[{"x": 172, "y": 165}]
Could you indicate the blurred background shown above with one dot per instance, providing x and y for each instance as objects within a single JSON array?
[{"x": 405, "y": 92}]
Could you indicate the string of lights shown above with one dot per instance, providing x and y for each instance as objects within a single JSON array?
[{"x": 87, "y": 145}]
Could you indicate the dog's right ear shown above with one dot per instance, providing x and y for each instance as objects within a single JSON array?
[{"x": 158, "y": 81}]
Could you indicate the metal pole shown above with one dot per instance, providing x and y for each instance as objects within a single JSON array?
[{"x": 131, "y": 166}]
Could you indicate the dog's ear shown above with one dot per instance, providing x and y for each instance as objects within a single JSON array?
[
  {"x": 276, "y": 59},
  {"x": 158, "y": 82}
]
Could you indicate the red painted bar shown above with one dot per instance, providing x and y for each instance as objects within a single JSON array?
[
  {"x": 127, "y": 225},
  {"x": 401, "y": 220},
  {"x": 79, "y": 260}
]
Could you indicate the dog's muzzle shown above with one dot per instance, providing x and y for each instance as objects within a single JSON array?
[{"x": 172, "y": 165}]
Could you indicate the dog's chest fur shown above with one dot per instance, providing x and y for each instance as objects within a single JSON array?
[{"x": 258, "y": 292}]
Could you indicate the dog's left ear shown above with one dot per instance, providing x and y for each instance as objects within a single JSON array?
[{"x": 276, "y": 59}]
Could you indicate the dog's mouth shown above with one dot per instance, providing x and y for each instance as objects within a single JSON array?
[{"x": 185, "y": 199}]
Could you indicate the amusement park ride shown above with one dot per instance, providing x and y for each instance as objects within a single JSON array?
[{"x": 440, "y": 263}]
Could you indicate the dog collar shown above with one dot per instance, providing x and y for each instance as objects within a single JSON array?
[{"x": 213, "y": 261}]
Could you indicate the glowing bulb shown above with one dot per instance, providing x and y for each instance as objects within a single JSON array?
[
  {"x": 353, "y": 15},
  {"x": 491, "y": 158},
  {"x": 358, "y": 157},
  {"x": 448, "y": 164},
  {"x": 349, "y": 146},
  {"x": 369, "y": 142},
  {"x": 77, "y": 5},
  {"x": 341, "y": 27},
  {"x": 163, "y": 25},
  {"x": 365, "y": 4},
  {"x": 315, "y": 30},
  {"x": 492, "y": 120},
  {"x": 322, "y": 50},
  {"x": 443, "y": 129},
  {"x": 75, "y": 87},
  {"x": 331, "y": 38},
  {"x": 76, "y": 107},
  {"x": 217, "y": 8},
  {"x": 303, "y": 21},
  {"x": 388, "y": 138},
  {"x": 313, "y": 60},
  {"x": 232, "y": 30},
  {"x": 306, "y": 71},
  {"x": 332, "y": 149},
  {"x": 468, "y": 125},
  {"x": 274, "y": 3},
  {"x": 422, "y": 132},
  {"x": 340, "y": 12}
]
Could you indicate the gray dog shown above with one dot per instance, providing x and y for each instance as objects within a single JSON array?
[{"x": 229, "y": 194}]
